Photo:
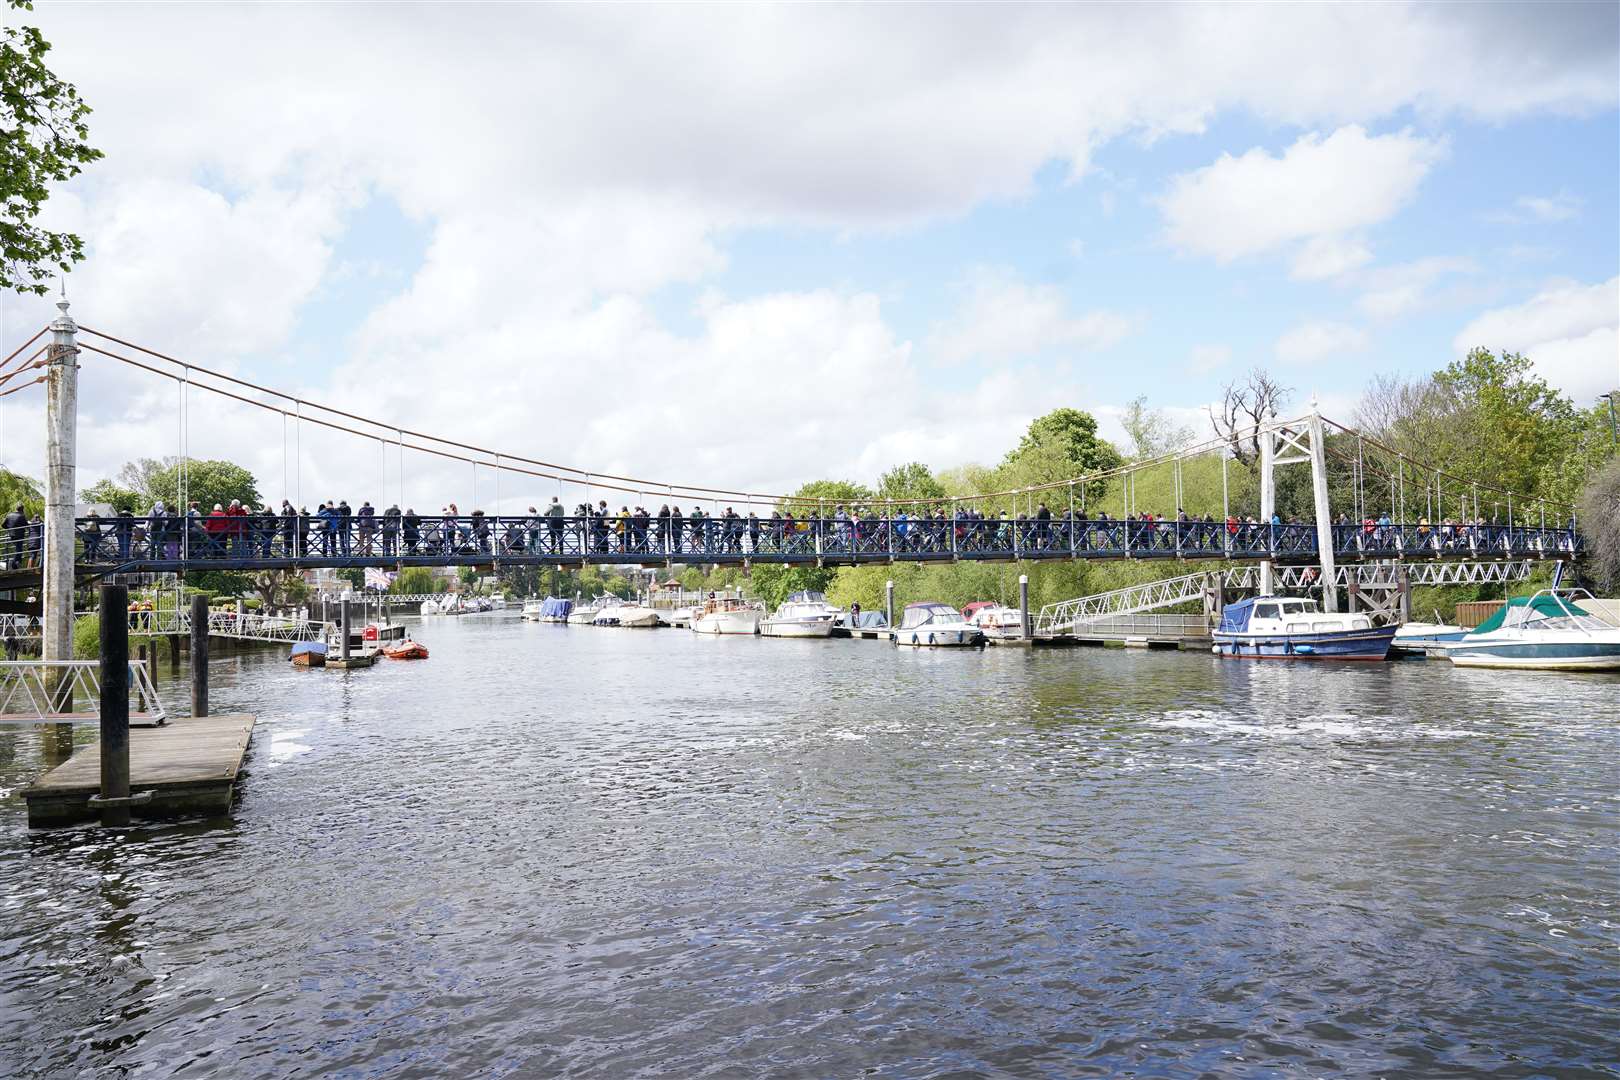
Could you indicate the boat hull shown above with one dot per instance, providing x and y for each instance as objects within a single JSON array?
[
  {"x": 1372, "y": 644},
  {"x": 726, "y": 622},
  {"x": 582, "y": 618},
  {"x": 796, "y": 628},
  {"x": 1539, "y": 656},
  {"x": 924, "y": 637}
]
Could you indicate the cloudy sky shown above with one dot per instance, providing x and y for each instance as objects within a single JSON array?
[{"x": 751, "y": 246}]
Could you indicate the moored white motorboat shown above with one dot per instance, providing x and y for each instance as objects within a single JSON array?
[
  {"x": 998, "y": 622},
  {"x": 727, "y": 616},
  {"x": 633, "y": 614},
  {"x": 932, "y": 624},
  {"x": 1548, "y": 631},
  {"x": 1292, "y": 628},
  {"x": 532, "y": 609},
  {"x": 583, "y": 615},
  {"x": 1421, "y": 638},
  {"x": 802, "y": 615}
]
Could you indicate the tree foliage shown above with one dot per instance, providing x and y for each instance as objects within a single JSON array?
[
  {"x": 206, "y": 482},
  {"x": 42, "y": 142},
  {"x": 115, "y": 495},
  {"x": 911, "y": 481},
  {"x": 17, "y": 489}
]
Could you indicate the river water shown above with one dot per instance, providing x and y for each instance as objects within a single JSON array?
[{"x": 617, "y": 853}]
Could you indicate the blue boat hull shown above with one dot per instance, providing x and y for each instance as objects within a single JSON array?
[{"x": 1370, "y": 644}]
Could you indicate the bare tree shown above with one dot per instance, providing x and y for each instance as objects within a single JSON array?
[
  {"x": 1151, "y": 431},
  {"x": 1244, "y": 407},
  {"x": 1600, "y": 523}
]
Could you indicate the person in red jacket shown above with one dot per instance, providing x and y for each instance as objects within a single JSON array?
[{"x": 217, "y": 525}]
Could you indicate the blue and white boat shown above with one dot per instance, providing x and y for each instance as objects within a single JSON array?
[
  {"x": 1291, "y": 628},
  {"x": 1548, "y": 631}
]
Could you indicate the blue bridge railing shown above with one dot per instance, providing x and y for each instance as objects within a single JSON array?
[{"x": 264, "y": 541}]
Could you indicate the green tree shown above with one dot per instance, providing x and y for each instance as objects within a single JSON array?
[
  {"x": 1515, "y": 420},
  {"x": 1073, "y": 435},
  {"x": 16, "y": 488},
  {"x": 912, "y": 481},
  {"x": 414, "y": 581},
  {"x": 115, "y": 495},
  {"x": 207, "y": 482},
  {"x": 42, "y": 142}
]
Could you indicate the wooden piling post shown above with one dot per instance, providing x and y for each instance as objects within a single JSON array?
[
  {"x": 115, "y": 705},
  {"x": 174, "y": 654},
  {"x": 343, "y": 615},
  {"x": 199, "y": 655},
  {"x": 1025, "y": 631}
]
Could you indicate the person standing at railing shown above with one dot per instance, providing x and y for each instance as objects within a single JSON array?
[
  {"x": 16, "y": 530},
  {"x": 554, "y": 524},
  {"x": 287, "y": 524},
  {"x": 124, "y": 533},
  {"x": 677, "y": 530},
  {"x": 342, "y": 519},
  {"x": 410, "y": 528},
  {"x": 390, "y": 530},
  {"x": 366, "y": 524},
  {"x": 90, "y": 532}
]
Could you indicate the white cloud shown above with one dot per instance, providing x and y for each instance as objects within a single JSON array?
[
  {"x": 1311, "y": 341},
  {"x": 1330, "y": 255},
  {"x": 1569, "y": 330},
  {"x": 1321, "y": 190},
  {"x": 1002, "y": 317},
  {"x": 1392, "y": 291},
  {"x": 1208, "y": 358},
  {"x": 1542, "y": 209}
]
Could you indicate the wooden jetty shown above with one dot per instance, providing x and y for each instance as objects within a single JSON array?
[{"x": 190, "y": 766}]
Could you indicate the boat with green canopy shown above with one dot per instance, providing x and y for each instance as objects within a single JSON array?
[{"x": 1547, "y": 631}]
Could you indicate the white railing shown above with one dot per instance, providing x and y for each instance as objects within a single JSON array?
[
  {"x": 31, "y": 690},
  {"x": 1065, "y": 617},
  {"x": 1085, "y": 611},
  {"x": 248, "y": 626}
]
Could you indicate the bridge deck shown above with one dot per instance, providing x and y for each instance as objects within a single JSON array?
[
  {"x": 190, "y": 766},
  {"x": 153, "y": 546}
]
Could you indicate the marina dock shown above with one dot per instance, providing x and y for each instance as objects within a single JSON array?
[{"x": 190, "y": 766}]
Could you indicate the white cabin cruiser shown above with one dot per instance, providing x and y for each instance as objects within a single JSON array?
[
  {"x": 999, "y": 623},
  {"x": 802, "y": 615},
  {"x": 583, "y": 615},
  {"x": 933, "y": 624},
  {"x": 726, "y": 615},
  {"x": 1547, "y": 631},
  {"x": 636, "y": 615}
]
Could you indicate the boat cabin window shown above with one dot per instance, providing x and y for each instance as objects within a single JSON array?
[{"x": 1265, "y": 611}]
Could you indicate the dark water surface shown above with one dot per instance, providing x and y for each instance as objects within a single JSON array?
[{"x": 619, "y": 853}]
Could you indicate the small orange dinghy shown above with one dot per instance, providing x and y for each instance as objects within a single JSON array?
[{"x": 405, "y": 650}]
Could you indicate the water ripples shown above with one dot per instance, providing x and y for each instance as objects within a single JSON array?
[{"x": 564, "y": 851}]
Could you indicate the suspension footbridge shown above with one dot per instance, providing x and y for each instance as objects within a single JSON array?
[{"x": 1088, "y": 517}]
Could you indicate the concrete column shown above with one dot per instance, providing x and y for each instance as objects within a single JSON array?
[
  {"x": 1268, "y": 502},
  {"x": 1324, "y": 513},
  {"x": 888, "y": 602},
  {"x": 1024, "y": 629},
  {"x": 61, "y": 491}
]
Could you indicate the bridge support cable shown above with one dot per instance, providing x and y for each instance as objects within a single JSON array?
[{"x": 561, "y": 474}]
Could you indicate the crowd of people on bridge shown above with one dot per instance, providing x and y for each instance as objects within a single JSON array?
[{"x": 337, "y": 531}]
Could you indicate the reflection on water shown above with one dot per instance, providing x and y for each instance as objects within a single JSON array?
[{"x": 560, "y": 850}]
